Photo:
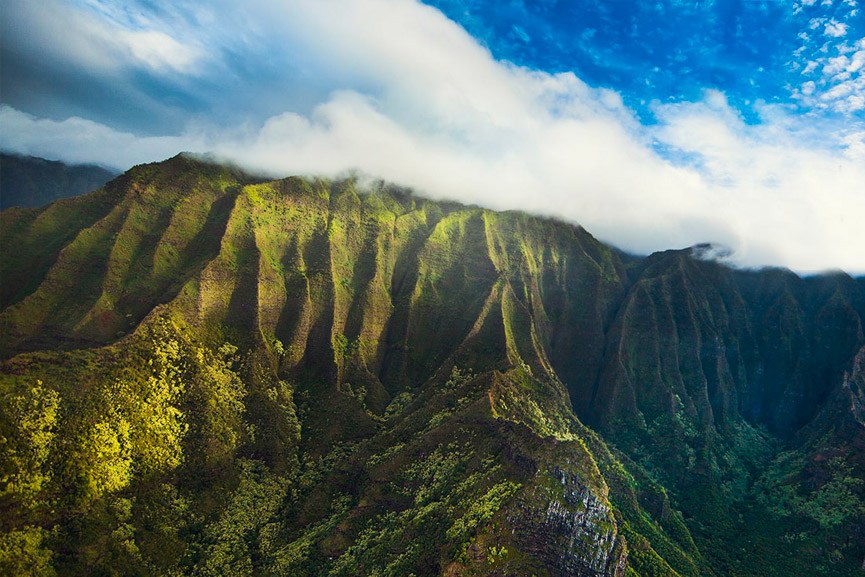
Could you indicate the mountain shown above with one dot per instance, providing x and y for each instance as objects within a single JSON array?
[
  {"x": 28, "y": 181},
  {"x": 207, "y": 373}
]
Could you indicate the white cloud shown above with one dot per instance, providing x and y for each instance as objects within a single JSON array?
[
  {"x": 856, "y": 62},
  {"x": 835, "y": 65},
  {"x": 100, "y": 41},
  {"x": 417, "y": 101},
  {"x": 83, "y": 141},
  {"x": 854, "y": 103},
  {"x": 840, "y": 87},
  {"x": 837, "y": 91},
  {"x": 835, "y": 29},
  {"x": 159, "y": 51}
]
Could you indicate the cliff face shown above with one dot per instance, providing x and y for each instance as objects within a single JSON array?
[
  {"x": 763, "y": 346},
  {"x": 697, "y": 350},
  {"x": 580, "y": 536},
  {"x": 329, "y": 381}
]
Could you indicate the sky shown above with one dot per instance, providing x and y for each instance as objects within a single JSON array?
[{"x": 654, "y": 125}]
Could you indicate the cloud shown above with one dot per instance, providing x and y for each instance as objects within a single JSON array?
[
  {"x": 158, "y": 50},
  {"x": 788, "y": 199},
  {"x": 61, "y": 32},
  {"x": 78, "y": 140},
  {"x": 835, "y": 29},
  {"x": 841, "y": 85},
  {"x": 840, "y": 88},
  {"x": 407, "y": 95}
]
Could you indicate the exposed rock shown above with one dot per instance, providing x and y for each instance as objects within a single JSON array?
[{"x": 562, "y": 522}]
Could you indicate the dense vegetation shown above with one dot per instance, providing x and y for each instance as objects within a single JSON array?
[{"x": 209, "y": 374}]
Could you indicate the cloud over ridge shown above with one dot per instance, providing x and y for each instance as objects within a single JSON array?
[{"x": 407, "y": 95}]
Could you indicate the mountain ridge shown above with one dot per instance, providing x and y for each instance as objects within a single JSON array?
[
  {"x": 472, "y": 341},
  {"x": 30, "y": 181}
]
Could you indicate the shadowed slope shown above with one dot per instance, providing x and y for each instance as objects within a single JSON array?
[{"x": 29, "y": 182}]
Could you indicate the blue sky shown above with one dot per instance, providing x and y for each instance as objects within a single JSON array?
[
  {"x": 654, "y": 125},
  {"x": 752, "y": 50}
]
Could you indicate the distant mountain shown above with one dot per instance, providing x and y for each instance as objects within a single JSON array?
[
  {"x": 28, "y": 181},
  {"x": 210, "y": 374}
]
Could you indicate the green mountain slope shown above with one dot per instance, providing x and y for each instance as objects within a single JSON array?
[
  {"x": 210, "y": 374},
  {"x": 709, "y": 374}
]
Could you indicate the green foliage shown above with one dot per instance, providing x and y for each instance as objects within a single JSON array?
[
  {"x": 340, "y": 345},
  {"x": 380, "y": 551},
  {"x": 162, "y": 523},
  {"x": 124, "y": 424},
  {"x": 278, "y": 348},
  {"x": 105, "y": 458},
  {"x": 398, "y": 404},
  {"x": 22, "y": 553},
  {"x": 495, "y": 554},
  {"x": 515, "y": 404},
  {"x": 382, "y": 457},
  {"x": 160, "y": 424},
  {"x": 482, "y": 509},
  {"x": 458, "y": 378},
  {"x": 298, "y": 557},
  {"x": 234, "y": 543},
  {"x": 214, "y": 402},
  {"x": 149, "y": 403},
  {"x": 839, "y": 500},
  {"x": 28, "y": 420},
  {"x": 644, "y": 559}
]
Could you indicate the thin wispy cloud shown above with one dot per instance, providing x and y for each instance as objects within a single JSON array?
[{"x": 397, "y": 90}]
